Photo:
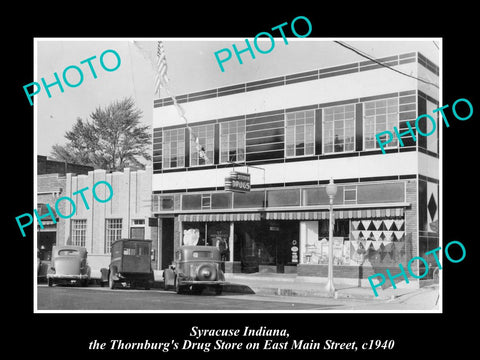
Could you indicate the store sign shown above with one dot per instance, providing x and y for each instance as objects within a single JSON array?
[{"x": 237, "y": 182}]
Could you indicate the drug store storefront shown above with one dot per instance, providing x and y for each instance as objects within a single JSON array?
[{"x": 285, "y": 230}]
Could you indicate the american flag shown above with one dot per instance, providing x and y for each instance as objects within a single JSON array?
[{"x": 161, "y": 78}]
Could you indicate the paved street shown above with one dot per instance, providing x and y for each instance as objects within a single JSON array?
[{"x": 98, "y": 298}]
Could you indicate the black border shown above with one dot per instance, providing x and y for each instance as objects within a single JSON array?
[{"x": 414, "y": 334}]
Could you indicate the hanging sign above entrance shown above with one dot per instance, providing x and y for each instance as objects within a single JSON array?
[{"x": 237, "y": 182}]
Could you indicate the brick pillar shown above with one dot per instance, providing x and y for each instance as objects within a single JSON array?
[
  {"x": 177, "y": 234},
  {"x": 411, "y": 229}
]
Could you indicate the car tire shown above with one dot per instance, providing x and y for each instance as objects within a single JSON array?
[
  {"x": 111, "y": 282},
  {"x": 50, "y": 282},
  {"x": 218, "y": 290}
]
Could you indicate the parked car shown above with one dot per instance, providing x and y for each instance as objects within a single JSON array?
[
  {"x": 194, "y": 268},
  {"x": 68, "y": 266},
  {"x": 131, "y": 264}
]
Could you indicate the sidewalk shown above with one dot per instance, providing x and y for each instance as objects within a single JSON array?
[{"x": 293, "y": 285}]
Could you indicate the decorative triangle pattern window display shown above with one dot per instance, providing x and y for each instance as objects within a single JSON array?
[{"x": 377, "y": 241}]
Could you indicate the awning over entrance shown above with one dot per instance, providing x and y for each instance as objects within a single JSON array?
[
  {"x": 338, "y": 214},
  {"x": 220, "y": 217},
  {"x": 296, "y": 215}
]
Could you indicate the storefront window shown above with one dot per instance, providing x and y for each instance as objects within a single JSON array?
[
  {"x": 253, "y": 199},
  {"x": 318, "y": 196},
  {"x": 162, "y": 202},
  {"x": 283, "y": 197},
  {"x": 221, "y": 200},
  {"x": 375, "y": 193},
  {"x": 271, "y": 244},
  {"x": 205, "y": 233},
  {"x": 191, "y": 202},
  {"x": 194, "y": 233},
  {"x": 316, "y": 249},
  {"x": 356, "y": 242}
]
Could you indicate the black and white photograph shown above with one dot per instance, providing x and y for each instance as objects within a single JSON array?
[
  {"x": 279, "y": 185},
  {"x": 272, "y": 187}
]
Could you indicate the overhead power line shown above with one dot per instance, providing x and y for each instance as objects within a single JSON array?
[{"x": 361, "y": 53}]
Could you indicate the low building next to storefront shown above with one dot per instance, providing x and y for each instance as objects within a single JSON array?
[
  {"x": 126, "y": 215},
  {"x": 291, "y": 134},
  {"x": 51, "y": 177}
]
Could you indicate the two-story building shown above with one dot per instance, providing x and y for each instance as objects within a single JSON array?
[{"x": 292, "y": 134}]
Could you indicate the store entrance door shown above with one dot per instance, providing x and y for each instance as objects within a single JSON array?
[
  {"x": 283, "y": 241},
  {"x": 266, "y": 246},
  {"x": 167, "y": 242}
]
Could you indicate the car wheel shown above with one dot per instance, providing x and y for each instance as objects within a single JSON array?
[{"x": 111, "y": 282}]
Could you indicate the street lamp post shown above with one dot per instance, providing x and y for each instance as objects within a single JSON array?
[{"x": 331, "y": 189}]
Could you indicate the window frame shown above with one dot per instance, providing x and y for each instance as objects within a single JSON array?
[
  {"x": 324, "y": 142},
  {"x": 164, "y": 152},
  {"x": 236, "y": 139},
  {"x": 74, "y": 234},
  {"x": 295, "y": 134},
  {"x": 364, "y": 118},
  {"x": 211, "y": 159},
  {"x": 108, "y": 239}
]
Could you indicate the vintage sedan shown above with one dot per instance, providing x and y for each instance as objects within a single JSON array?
[
  {"x": 69, "y": 266},
  {"x": 194, "y": 268},
  {"x": 130, "y": 264}
]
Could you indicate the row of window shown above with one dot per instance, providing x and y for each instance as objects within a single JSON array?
[
  {"x": 113, "y": 232},
  {"x": 286, "y": 197},
  {"x": 338, "y": 134}
]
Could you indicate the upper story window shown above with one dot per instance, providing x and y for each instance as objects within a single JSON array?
[
  {"x": 232, "y": 141},
  {"x": 173, "y": 148},
  {"x": 300, "y": 133},
  {"x": 339, "y": 129},
  {"x": 380, "y": 115},
  {"x": 202, "y": 153}
]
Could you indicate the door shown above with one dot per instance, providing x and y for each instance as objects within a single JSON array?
[{"x": 167, "y": 242}]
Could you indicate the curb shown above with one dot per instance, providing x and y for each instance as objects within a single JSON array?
[{"x": 314, "y": 293}]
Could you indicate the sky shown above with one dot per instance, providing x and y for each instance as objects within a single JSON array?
[{"x": 191, "y": 67}]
